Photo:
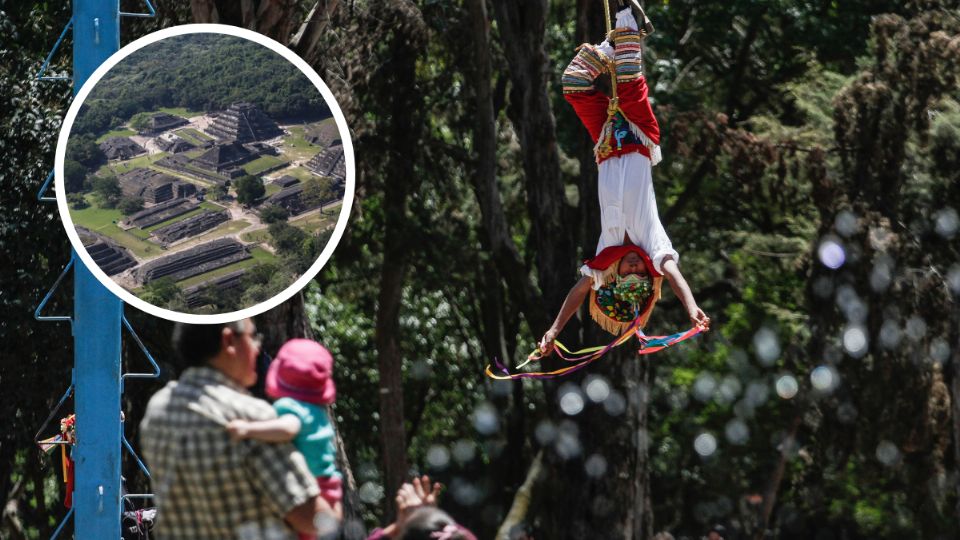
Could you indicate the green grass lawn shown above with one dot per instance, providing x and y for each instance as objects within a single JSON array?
[
  {"x": 182, "y": 112},
  {"x": 260, "y": 256},
  {"x": 211, "y": 206},
  {"x": 317, "y": 221},
  {"x": 199, "y": 182},
  {"x": 296, "y": 146},
  {"x": 199, "y": 134},
  {"x": 120, "y": 132},
  {"x": 260, "y": 235},
  {"x": 193, "y": 136},
  {"x": 263, "y": 163},
  {"x": 116, "y": 168},
  {"x": 271, "y": 189},
  {"x": 228, "y": 227},
  {"x": 298, "y": 172},
  {"x": 104, "y": 221}
]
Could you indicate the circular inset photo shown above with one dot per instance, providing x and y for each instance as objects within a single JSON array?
[{"x": 204, "y": 173}]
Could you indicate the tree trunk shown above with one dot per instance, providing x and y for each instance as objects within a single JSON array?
[
  {"x": 404, "y": 108},
  {"x": 498, "y": 240},
  {"x": 277, "y": 19},
  {"x": 522, "y": 28},
  {"x": 955, "y": 406}
]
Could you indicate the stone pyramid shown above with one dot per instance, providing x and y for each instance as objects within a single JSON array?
[{"x": 243, "y": 122}]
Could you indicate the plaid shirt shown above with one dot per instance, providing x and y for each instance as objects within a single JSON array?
[{"x": 208, "y": 486}]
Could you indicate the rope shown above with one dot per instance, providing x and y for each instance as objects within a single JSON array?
[{"x": 603, "y": 148}]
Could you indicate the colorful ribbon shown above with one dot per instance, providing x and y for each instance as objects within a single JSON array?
[{"x": 584, "y": 357}]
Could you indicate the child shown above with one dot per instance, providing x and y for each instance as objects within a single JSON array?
[
  {"x": 627, "y": 138},
  {"x": 301, "y": 380}
]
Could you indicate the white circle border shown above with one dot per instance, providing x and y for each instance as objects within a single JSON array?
[{"x": 348, "y": 157}]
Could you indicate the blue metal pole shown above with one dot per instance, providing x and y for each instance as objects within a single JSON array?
[{"x": 96, "y": 326}]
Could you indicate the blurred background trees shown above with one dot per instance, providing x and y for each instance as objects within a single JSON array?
[{"x": 810, "y": 184}]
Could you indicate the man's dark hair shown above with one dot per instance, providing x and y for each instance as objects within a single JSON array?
[{"x": 195, "y": 344}]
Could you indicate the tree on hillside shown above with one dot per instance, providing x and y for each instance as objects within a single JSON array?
[
  {"x": 130, "y": 205},
  {"x": 107, "y": 189},
  {"x": 249, "y": 189},
  {"x": 140, "y": 121},
  {"x": 84, "y": 150},
  {"x": 274, "y": 214},
  {"x": 74, "y": 176},
  {"x": 316, "y": 192}
]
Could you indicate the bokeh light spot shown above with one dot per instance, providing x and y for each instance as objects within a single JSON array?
[
  {"x": 787, "y": 386},
  {"x": 705, "y": 444},
  {"x": 855, "y": 341},
  {"x": 831, "y": 254},
  {"x": 736, "y": 431}
]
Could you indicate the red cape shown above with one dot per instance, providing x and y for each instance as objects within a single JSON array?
[{"x": 612, "y": 254}]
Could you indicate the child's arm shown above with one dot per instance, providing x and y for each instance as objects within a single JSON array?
[
  {"x": 570, "y": 306},
  {"x": 278, "y": 430},
  {"x": 682, "y": 290}
]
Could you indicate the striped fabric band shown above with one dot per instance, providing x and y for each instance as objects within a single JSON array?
[
  {"x": 583, "y": 69},
  {"x": 627, "y": 54}
]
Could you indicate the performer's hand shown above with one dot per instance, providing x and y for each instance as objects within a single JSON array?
[
  {"x": 698, "y": 317},
  {"x": 546, "y": 344}
]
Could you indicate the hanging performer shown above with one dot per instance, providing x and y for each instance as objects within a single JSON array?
[{"x": 633, "y": 253}]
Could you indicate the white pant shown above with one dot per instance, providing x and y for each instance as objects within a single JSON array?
[{"x": 628, "y": 207}]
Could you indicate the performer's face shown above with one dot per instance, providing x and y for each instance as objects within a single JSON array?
[{"x": 632, "y": 263}]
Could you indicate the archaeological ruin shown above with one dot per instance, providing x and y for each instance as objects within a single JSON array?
[
  {"x": 191, "y": 226},
  {"x": 194, "y": 261},
  {"x": 109, "y": 256},
  {"x": 159, "y": 213},
  {"x": 120, "y": 148},
  {"x": 243, "y": 122},
  {"x": 154, "y": 186},
  {"x": 160, "y": 122}
]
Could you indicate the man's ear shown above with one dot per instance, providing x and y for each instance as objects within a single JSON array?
[{"x": 226, "y": 339}]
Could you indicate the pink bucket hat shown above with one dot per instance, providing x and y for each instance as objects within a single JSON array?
[{"x": 302, "y": 370}]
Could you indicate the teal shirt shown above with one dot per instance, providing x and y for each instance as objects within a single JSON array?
[{"x": 315, "y": 440}]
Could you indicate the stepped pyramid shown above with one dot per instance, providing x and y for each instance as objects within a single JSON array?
[
  {"x": 243, "y": 122},
  {"x": 224, "y": 156},
  {"x": 329, "y": 162}
]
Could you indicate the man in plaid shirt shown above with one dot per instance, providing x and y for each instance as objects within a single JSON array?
[{"x": 206, "y": 485}]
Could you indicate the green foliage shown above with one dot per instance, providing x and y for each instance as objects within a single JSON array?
[
  {"x": 77, "y": 201},
  {"x": 74, "y": 176},
  {"x": 202, "y": 72},
  {"x": 220, "y": 192},
  {"x": 317, "y": 191},
  {"x": 287, "y": 238},
  {"x": 274, "y": 214},
  {"x": 249, "y": 189},
  {"x": 140, "y": 121},
  {"x": 130, "y": 205},
  {"x": 84, "y": 149},
  {"x": 161, "y": 292},
  {"x": 107, "y": 190}
]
